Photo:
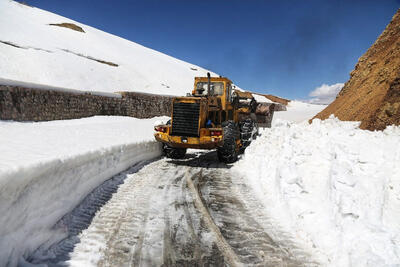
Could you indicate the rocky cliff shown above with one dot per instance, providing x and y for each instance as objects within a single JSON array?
[{"x": 372, "y": 95}]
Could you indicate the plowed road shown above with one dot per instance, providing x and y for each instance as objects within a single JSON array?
[{"x": 190, "y": 212}]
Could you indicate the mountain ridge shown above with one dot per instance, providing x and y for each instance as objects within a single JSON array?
[{"x": 372, "y": 94}]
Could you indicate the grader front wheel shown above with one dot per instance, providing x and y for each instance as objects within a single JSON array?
[
  {"x": 228, "y": 152},
  {"x": 174, "y": 152}
]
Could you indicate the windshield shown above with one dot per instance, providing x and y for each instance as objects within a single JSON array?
[{"x": 201, "y": 88}]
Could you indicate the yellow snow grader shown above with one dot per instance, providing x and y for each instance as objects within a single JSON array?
[{"x": 214, "y": 115}]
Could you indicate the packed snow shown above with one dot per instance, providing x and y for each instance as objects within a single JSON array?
[
  {"x": 47, "y": 168},
  {"x": 33, "y": 51},
  {"x": 171, "y": 215},
  {"x": 334, "y": 185}
]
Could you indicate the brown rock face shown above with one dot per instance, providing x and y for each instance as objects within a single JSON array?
[{"x": 372, "y": 95}]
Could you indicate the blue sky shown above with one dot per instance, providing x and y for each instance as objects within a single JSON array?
[{"x": 286, "y": 48}]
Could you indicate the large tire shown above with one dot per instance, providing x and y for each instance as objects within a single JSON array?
[
  {"x": 228, "y": 152},
  {"x": 174, "y": 152},
  {"x": 248, "y": 132}
]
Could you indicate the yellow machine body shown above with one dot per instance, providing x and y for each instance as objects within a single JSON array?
[{"x": 211, "y": 101}]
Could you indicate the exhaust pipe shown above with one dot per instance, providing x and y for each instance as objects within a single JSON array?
[{"x": 209, "y": 93}]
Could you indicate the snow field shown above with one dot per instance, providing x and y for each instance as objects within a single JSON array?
[
  {"x": 47, "y": 169},
  {"x": 298, "y": 111},
  {"x": 58, "y": 56},
  {"x": 335, "y": 186}
]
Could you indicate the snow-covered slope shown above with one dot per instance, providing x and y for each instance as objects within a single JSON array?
[
  {"x": 335, "y": 186},
  {"x": 298, "y": 111},
  {"x": 33, "y": 51}
]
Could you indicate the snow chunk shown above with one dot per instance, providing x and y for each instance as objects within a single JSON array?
[{"x": 332, "y": 184}]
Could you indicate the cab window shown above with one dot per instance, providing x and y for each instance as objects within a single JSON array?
[{"x": 217, "y": 87}]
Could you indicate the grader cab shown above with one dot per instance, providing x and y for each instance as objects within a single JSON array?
[{"x": 213, "y": 116}]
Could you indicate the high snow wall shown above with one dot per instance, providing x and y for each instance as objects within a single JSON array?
[
  {"x": 34, "y": 198},
  {"x": 335, "y": 187},
  {"x": 21, "y": 103},
  {"x": 48, "y": 168}
]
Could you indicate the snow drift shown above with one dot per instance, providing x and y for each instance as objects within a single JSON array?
[
  {"x": 47, "y": 168},
  {"x": 334, "y": 185},
  {"x": 33, "y": 50}
]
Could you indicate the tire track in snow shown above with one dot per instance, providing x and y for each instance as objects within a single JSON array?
[
  {"x": 241, "y": 220},
  {"x": 79, "y": 219},
  {"x": 230, "y": 256}
]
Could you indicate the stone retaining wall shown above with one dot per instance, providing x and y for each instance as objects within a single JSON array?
[{"x": 28, "y": 104}]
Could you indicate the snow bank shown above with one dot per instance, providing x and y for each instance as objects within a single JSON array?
[
  {"x": 336, "y": 186},
  {"x": 298, "y": 111},
  {"x": 33, "y": 51},
  {"x": 47, "y": 168}
]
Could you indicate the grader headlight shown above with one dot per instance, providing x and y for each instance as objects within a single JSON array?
[{"x": 161, "y": 129}]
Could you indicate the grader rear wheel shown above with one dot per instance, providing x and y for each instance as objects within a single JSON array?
[{"x": 248, "y": 132}]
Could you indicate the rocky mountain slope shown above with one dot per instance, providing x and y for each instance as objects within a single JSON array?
[{"x": 372, "y": 95}]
